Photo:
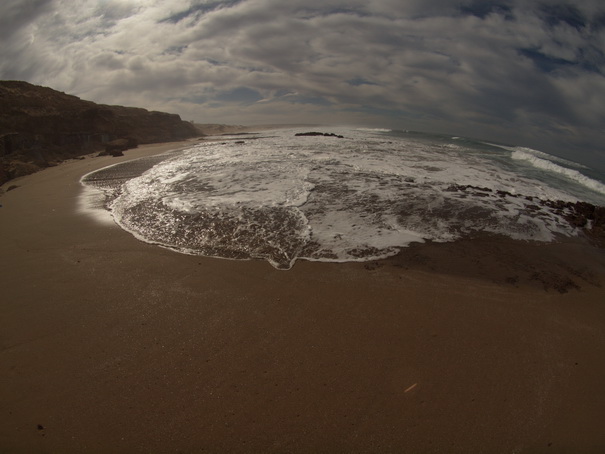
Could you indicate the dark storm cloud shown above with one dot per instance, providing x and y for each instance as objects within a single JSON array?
[{"x": 522, "y": 71}]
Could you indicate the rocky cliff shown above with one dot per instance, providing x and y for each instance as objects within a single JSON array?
[{"x": 40, "y": 127}]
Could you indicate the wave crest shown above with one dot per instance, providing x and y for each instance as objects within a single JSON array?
[{"x": 533, "y": 157}]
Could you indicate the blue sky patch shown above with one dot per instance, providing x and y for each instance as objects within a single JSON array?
[
  {"x": 544, "y": 62},
  {"x": 589, "y": 59},
  {"x": 202, "y": 9},
  {"x": 563, "y": 13},
  {"x": 482, "y": 9}
]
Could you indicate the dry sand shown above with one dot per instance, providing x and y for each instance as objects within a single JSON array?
[{"x": 108, "y": 344}]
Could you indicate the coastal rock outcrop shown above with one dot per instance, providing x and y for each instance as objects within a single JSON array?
[
  {"x": 117, "y": 147},
  {"x": 314, "y": 133},
  {"x": 588, "y": 218},
  {"x": 40, "y": 126}
]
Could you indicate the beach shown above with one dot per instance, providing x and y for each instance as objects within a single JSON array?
[{"x": 110, "y": 344}]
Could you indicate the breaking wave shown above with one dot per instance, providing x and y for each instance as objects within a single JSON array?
[{"x": 539, "y": 160}]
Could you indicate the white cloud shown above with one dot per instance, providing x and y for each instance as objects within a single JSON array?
[{"x": 519, "y": 71}]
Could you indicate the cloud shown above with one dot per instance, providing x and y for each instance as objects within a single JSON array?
[
  {"x": 526, "y": 72},
  {"x": 199, "y": 9},
  {"x": 17, "y": 14}
]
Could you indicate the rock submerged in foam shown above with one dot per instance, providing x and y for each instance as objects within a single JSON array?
[{"x": 583, "y": 215}]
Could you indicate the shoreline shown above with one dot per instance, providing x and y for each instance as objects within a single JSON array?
[{"x": 111, "y": 344}]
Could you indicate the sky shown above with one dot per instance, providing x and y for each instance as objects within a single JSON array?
[{"x": 523, "y": 72}]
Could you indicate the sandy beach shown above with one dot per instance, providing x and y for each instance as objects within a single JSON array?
[{"x": 109, "y": 344}]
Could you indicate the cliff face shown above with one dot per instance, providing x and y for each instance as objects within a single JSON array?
[{"x": 40, "y": 126}]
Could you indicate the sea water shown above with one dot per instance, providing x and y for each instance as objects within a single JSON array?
[{"x": 281, "y": 197}]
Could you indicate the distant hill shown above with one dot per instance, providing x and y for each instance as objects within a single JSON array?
[{"x": 40, "y": 127}]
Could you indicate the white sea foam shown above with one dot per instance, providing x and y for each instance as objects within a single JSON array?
[
  {"x": 91, "y": 202},
  {"x": 373, "y": 129},
  {"x": 547, "y": 157},
  {"x": 363, "y": 197}
]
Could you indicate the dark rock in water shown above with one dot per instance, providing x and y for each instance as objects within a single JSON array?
[
  {"x": 313, "y": 133},
  {"x": 588, "y": 210},
  {"x": 590, "y": 218},
  {"x": 582, "y": 215},
  {"x": 477, "y": 190},
  {"x": 40, "y": 127},
  {"x": 577, "y": 220},
  {"x": 453, "y": 188}
]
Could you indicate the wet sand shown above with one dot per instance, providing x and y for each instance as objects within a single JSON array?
[{"x": 108, "y": 344}]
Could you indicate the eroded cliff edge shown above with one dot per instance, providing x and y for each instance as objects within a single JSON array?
[{"x": 40, "y": 127}]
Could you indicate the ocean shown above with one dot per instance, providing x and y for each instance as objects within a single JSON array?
[{"x": 282, "y": 197}]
